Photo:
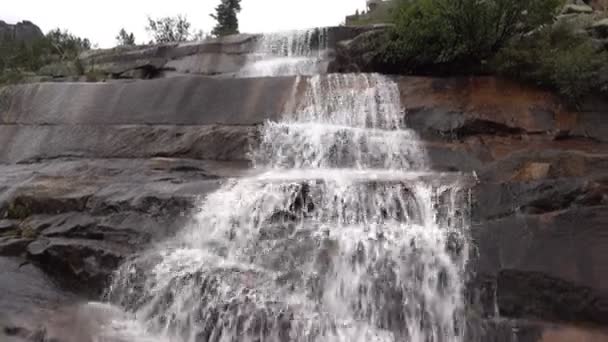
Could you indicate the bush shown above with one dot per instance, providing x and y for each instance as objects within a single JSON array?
[
  {"x": 558, "y": 58},
  {"x": 124, "y": 38},
  {"x": 19, "y": 58},
  {"x": 169, "y": 29},
  {"x": 65, "y": 44},
  {"x": 431, "y": 33},
  {"x": 381, "y": 15}
]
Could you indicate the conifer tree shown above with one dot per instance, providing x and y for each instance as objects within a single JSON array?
[{"x": 226, "y": 17}]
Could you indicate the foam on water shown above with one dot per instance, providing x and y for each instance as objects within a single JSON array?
[{"x": 346, "y": 236}]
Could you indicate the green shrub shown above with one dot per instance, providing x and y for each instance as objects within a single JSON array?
[
  {"x": 381, "y": 15},
  {"x": 169, "y": 29},
  {"x": 19, "y": 58},
  {"x": 558, "y": 58},
  {"x": 11, "y": 76},
  {"x": 428, "y": 33}
]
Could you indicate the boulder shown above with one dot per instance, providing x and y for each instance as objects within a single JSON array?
[
  {"x": 77, "y": 262},
  {"x": 578, "y": 21},
  {"x": 577, "y": 9},
  {"x": 7, "y": 226},
  {"x": 359, "y": 54},
  {"x": 60, "y": 69},
  {"x": 13, "y": 246},
  {"x": 77, "y": 219},
  {"x": 600, "y": 28},
  {"x": 27, "y": 298},
  {"x": 24, "y": 31},
  {"x": 120, "y": 62}
]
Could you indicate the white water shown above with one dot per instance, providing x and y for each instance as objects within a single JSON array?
[
  {"x": 289, "y": 53},
  {"x": 346, "y": 235}
]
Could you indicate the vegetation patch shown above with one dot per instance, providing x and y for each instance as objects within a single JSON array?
[
  {"x": 558, "y": 58},
  {"x": 18, "y": 59},
  {"x": 17, "y": 211},
  {"x": 27, "y": 232},
  {"x": 517, "y": 39}
]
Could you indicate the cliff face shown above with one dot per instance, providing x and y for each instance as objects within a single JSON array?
[
  {"x": 91, "y": 173},
  {"x": 24, "y": 31},
  {"x": 541, "y": 205}
]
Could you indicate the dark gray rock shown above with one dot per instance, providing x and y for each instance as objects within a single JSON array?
[
  {"x": 13, "y": 246},
  {"x": 217, "y": 56},
  {"x": 592, "y": 125},
  {"x": 175, "y": 101},
  {"x": 359, "y": 54},
  {"x": 78, "y": 264},
  {"x": 600, "y": 28},
  {"x": 29, "y": 143},
  {"x": 211, "y": 56},
  {"x": 7, "y": 226},
  {"x": 577, "y": 9},
  {"x": 24, "y": 31},
  {"x": 499, "y": 200},
  {"x": 78, "y": 219},
  {"x": 544, "y": 266},
  {"x": 26, "y": 293}
]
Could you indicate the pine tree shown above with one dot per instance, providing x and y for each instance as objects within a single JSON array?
[
  {"x": 226, "y": 17},
  {"x": 125, "y": 39}
]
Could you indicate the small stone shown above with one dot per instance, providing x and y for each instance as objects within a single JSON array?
[{"x": 533, "y": 171}]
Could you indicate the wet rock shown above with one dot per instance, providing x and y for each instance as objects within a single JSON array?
[
  {"x": 26, "y": 294},
  {"x": 77, "y": 262},
  {"x": 78, "y": 219},
  {"x": 359, "y": 54},
  {"x": 7, "y": 226},
  {"x": 496, "y": 200},
  {"x": 562, "y": 164},
  {"x": 13, "y": 246},
  {"x": 217, "y": 56},
  {"x": 227, "y": 102},
  {"x": 532, "y": 294},
  {"x": 543, "y": 264},
  {"x": 462, "y": 107}
]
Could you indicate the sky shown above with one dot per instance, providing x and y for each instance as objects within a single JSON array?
[{"x": 100, "y": 21}]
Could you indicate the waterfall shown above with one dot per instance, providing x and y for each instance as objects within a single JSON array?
[
  {"x": 343, "y": 234},
  {"x": 300, "y": 52}
]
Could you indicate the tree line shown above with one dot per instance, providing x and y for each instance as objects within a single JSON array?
[
  {"x": 178, "y": 28},
  {"x": 18, "y": 58}
]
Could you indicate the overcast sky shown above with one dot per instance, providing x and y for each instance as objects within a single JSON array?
[{"x": 100, "y": 21}]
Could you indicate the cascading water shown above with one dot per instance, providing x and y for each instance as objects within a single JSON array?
[
  {"x": 289, "y": 53},
  {"x": 343, "y": 235}
]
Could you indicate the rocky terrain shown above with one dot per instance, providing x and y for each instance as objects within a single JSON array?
[
  {"x": 24, "y": 31},
  {"x": 91, "y": 173}
]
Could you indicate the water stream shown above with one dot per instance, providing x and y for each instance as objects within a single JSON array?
[
  {"x": 343, "y": 234},
  {"x": 300, "y": 52}
]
